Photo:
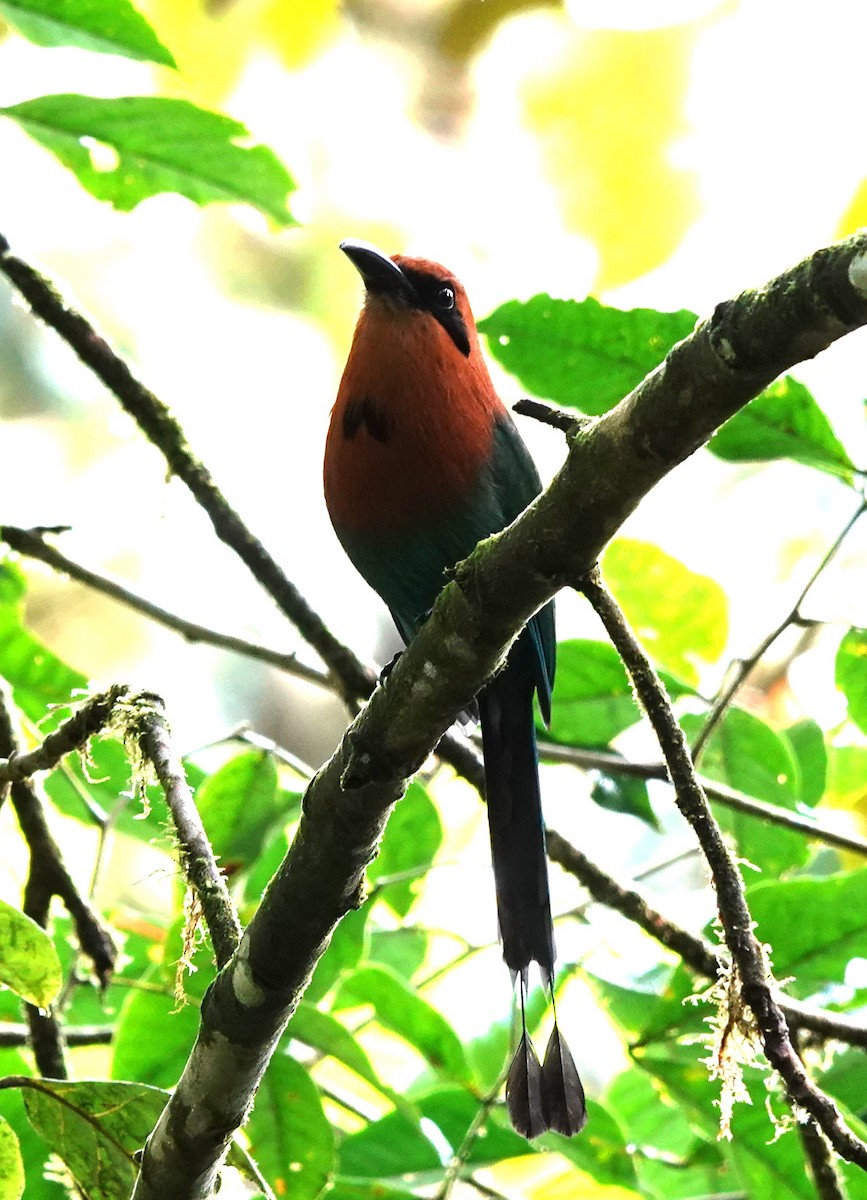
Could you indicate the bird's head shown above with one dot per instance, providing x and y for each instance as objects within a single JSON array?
[{"x": 414, "y": 289}]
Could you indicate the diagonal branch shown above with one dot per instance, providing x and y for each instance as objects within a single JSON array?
[
  {"x": 696, "y": 952},
  {"x": 140, "y": 719},
  {"x": 32, "y": 544},
  {"x": 746, "y": 665},
  {"x": 48, "y": 876},
  {"x": 752, "y": 976},
  {"x": 89, "y": 718},
  {"x": 611, "y": 465},
  {"x": 148, "y": 727},
  {"x": 612, "y": 764},
  {"x": 160, "y": 427}
]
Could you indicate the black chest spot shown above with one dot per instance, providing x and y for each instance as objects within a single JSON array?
[{"x": 364, "y": 411}]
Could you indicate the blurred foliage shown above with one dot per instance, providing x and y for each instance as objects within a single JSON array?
[
  {"x": 213, "y": 40},
  {"x": 376, "y": 1079},
  {"x": 468, "y": 25},
  {"x": 607, "y": 117}
]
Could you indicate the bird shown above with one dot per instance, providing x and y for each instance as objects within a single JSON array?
[{"x": 422, "y": 461}]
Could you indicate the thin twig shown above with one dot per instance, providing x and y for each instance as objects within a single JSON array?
[
  {"x": 12, "y": 1035},
  {"x": 48, "y": 877},
  {"x": 147, "y": 724},
  {"x": 483, "y": 1189},
  {"x": 460, "y": 1157},
  {"x": 163, "y": 431},
  {"x": 31, "y": 543},
  {"x": 818, "y": 1153},
  {"x": 613, "y": 764},
  {"x": 746, "y": 665},
  {"x": 143, "y": 714},
  {"x": 558, "y": 418},
  {"x": 695, "y": 951},
  {"x": 89, "y": 718},
  {"x": 748, "y": 958}
]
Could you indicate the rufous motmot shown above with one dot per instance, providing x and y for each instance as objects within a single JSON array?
[{"x": 422, "y": 461}]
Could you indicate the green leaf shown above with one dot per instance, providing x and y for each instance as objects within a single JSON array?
[
  {"x": 28, "y": 961},
  {"x": 261, "y": 871},
  {"x": 344, "y": 1188},
  {"x": 11, "y": 1164},
  {"x": 138, "y": 1054},
  {"x": 403, "y": 950},
  {"x": 746, "y": 754},
  {"x": 34, "y": 1152},
  {"x": 606, "y": 1155},
  {"x": 783, "y": 422},
  {"x": 25, "y": 662},
  {"x": 815, "y": 926},
  {"x": 593, "y": 700},
  {"x": 847, "y": 776},
  {"x": 107, "y": 26},
  {"x": 128, "y": 149},
  {"x": 43, "y": 688},
  {"x": 622, "y": 794},
  {"x": 850, "y": 674},
  {"x": 388, "y": 1150},
  {"x": 393, "y": 1148},
  {"x": 845, "y": 1076},
  {"x": 767, "y": 1166},
  {"x": 581, "y": 353},
  {"x": 653, "y": 1008},
  {"x": 89, "y": 1005},
  {"x": 808, "y": 745},
  {"x": 673, "y": 1162},
  {"x": 240, "y": 805},
  {"x": 412, "y": 837},
  {"x": 95, "y": 1127},
  {"x": 760, "y": 1168},
  {"x": 324, "y": 1033},
  {"x": 290, "y": 1136},
  {"x": 345, "y": 950},
  {"x": 401, "y": 1010},
  {"x": 488, "y": 1051},
  {"x": 453, "y": 1110},
  {"x": 680, "y": 616}
]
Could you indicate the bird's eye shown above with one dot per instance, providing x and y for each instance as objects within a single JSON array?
[{"x": 446, "y": 297}]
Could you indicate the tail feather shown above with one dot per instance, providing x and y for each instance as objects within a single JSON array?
[
  {"x": 548, "y": 1096},
  {"x": 524, "y": 1091},
  {"x": 562, "y": 1093},
  {"x": 515, "y": 814}
]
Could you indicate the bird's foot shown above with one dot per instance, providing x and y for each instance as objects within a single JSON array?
[{"x": 389, "y": 667}]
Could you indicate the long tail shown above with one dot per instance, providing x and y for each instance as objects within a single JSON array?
[{"x": 548, "y": 1096}]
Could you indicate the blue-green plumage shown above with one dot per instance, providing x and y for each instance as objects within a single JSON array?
[{"x": 408, "y": 569}]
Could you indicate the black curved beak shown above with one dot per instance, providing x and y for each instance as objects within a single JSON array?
[{"x": 377, "y": 270}]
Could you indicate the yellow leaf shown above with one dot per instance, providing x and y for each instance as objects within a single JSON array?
[
  {"x": 609, "y": 114},
  {"x": 296, "y": 30},
  {"x": 212, "y": 44},
  {"x": 210, "y": 47},
  {"x": 855, "y": 216}
]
